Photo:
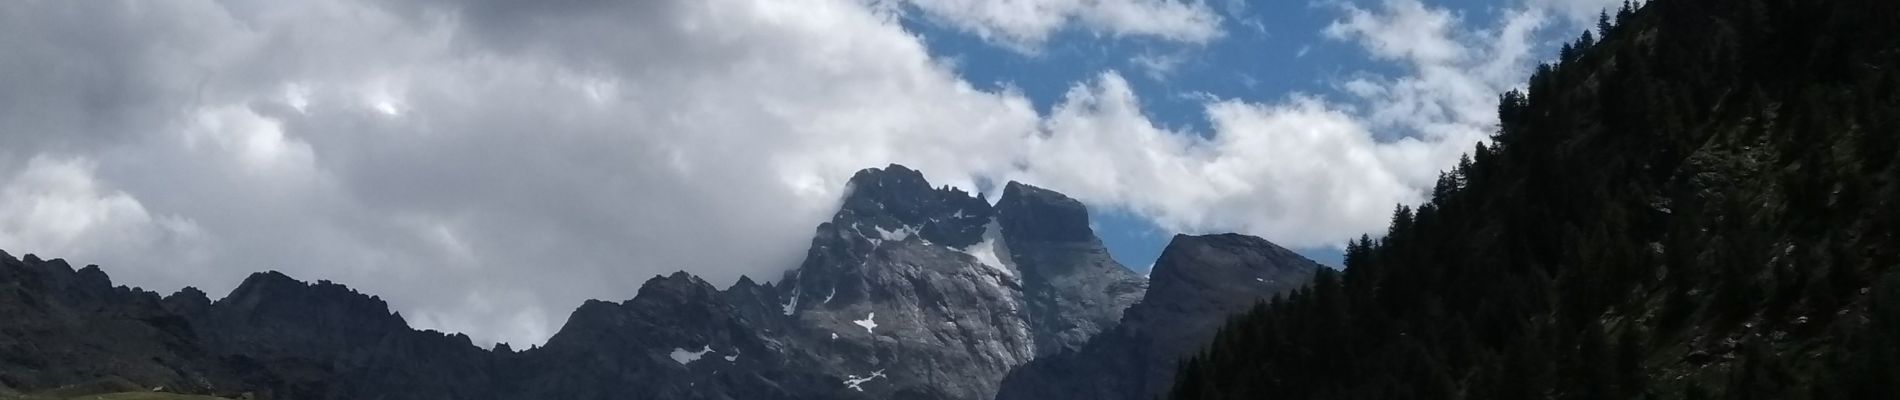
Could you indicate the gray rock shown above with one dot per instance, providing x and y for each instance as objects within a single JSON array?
[
  {"x": 1197, "y": 284},
  {"x": 1074, "y": 289}
]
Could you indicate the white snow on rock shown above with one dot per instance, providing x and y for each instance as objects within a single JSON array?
[
  {"x": 833, "y": 293},
  {"x": 854, "y": 382},
  {"x": 680, "y": 355},
  {"x": 793, "y": 306},
  {"x": 985, "y": 253},
  {"x": 895, "y": 236},
  {"x": 990, "y": 251},
  {"x": 834, "y": 336},
  {"x": 868, "y": 323}
]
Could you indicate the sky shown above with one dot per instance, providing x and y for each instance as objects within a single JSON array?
[{"x": 486, "y": 165}]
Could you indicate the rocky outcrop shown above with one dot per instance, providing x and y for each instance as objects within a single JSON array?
[{"x": 1196, "y": 285}]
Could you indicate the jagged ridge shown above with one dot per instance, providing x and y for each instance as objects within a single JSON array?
[{"x": 908, "y": 292}]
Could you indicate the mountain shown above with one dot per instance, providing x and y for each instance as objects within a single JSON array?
[
  {"x": 909, "y": 291},
  {"x": 64, "y": 326},
  {"x": 1700, "y": 205},
  {"x": 1197, "y": 284}
]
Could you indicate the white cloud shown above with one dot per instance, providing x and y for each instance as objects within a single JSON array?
[
  {"x": 485, "y": 166},
  {"x": 57, "y": 206},
  {"x": 1303, "y": 173},
  {"x": 1448, "y": 99},
  {"x": 479, "y": 166},
  {"x": 1158, "y": 66},
  {"x": 1026, "y": 24},
  {"x": 1580, "y": 12},
  {"x": 1401, "y": 30}
]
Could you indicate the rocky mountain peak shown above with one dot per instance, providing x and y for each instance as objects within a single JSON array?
[
  {"x": 744, "y": 283},
  {"x": 679, "y": 285},
  {"x": 92, "y": 276},
  {"x": 1230, "y": 263},
  {"x": 1219, "y": 274},
  {"x": 89, "y": 285},
  {"x": 275, "y": 317},
  {"x": 895, "y": 202},
  {"x": 1029, "y": 213},
  {"x": 1073, "y": 288},
  {"x": 677, "y": 281},
  {"x": 261, "y": 284},
  {"x": 188, "y": 301},
  {"x": 893, "y": 178},
  {"x": 274, "y": 293}
]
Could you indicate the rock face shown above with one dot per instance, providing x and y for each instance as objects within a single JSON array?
[
  {"x": 908, "y": 292},
  {"x": 1199, "y": 282},
  {"x": 1075, "y": 290}
]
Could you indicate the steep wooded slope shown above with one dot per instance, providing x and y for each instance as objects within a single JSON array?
[{"x": 1700, "y": 206}]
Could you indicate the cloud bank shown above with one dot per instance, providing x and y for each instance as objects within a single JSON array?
[
  {"x": 1025, "y": 25},
  {"x": 487, "y": 165}
]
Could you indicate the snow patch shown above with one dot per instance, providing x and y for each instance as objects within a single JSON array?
[
  {"x": 734, "y": 356},
  {"x": 895, "y": 236},
  {"x": 680, "y": 355},
  {"x": 868, "y": 323},
  {"x": 828, "y": 296},
  {"x": 990, "y": 251},
  {"x": 985, "y": 253},
  {"x": 854, "y": 382},
  {"x": 793, "y": 306},
  {"x": 834, "y": 336}
]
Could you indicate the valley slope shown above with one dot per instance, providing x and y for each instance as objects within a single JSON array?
[{"x": 1700, "y": 205}]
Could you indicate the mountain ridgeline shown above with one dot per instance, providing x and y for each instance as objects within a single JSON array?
[
  {"x": 908, "y": 292},
  {"x": 1701, "y": 205},
  {"x": 1198, "y": 283}
]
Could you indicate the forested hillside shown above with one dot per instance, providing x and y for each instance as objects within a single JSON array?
[{"x": 1700, "y": 205}]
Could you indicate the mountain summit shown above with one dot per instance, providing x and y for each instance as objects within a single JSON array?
[{"x": 908, "y": 291}]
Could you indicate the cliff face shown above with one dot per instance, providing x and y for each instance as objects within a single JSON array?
[
  {"x": 909, "y": 291},
  {"x": 1196, "y": 285},
  {"x": 1072, "y": 288}
]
